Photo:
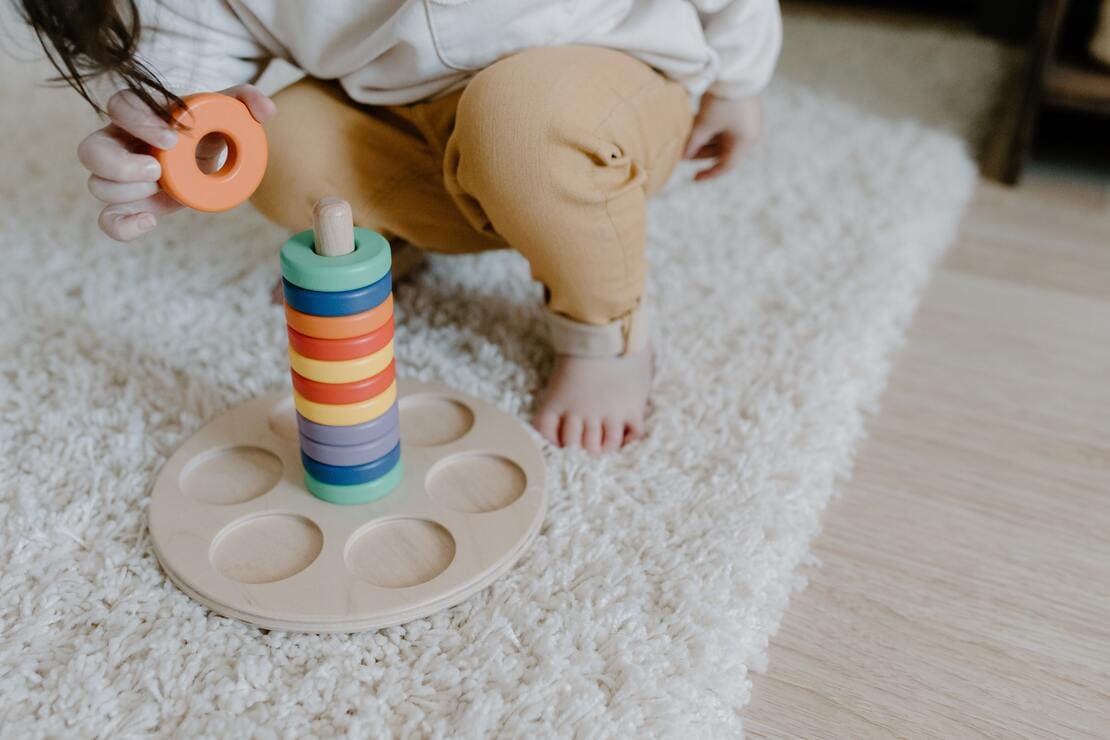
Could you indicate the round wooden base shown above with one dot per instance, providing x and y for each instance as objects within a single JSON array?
[{"x": 235, "y": 528}]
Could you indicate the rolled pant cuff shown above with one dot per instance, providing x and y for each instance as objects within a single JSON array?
[{"x": 628, "y": 334}]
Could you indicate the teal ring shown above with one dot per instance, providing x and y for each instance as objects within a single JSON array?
[
  {"x": 302, "y": 267},
  {"x": 362, "y": 493}
]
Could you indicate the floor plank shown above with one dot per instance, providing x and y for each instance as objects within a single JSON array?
[{"x": 964, "y": 587}]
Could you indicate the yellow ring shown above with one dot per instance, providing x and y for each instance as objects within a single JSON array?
[
  {"x": 341, "y": 371},
  {"x": 347, "y": 414}
]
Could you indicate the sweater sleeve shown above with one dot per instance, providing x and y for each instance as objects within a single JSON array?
[
  {"x": 747, "y": 37},
  {"x": 198, "y": 46}
]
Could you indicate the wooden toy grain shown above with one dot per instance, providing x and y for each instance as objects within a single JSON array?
[{"x": 235, "y": 528}]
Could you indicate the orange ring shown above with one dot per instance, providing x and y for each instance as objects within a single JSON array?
[
  {"x": 340, "y": 327},
  {"x": 343, "y": 393},
  {"x": 340, "y": 349},
  {"x": 246, "y": 154}
]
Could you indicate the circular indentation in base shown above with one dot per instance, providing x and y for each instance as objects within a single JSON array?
[
  {"x": 476, "y": 483},
  {"x": 400, "y": 552},
  {"x": 321, "y": 573},
  {"x": 231, "y": 475},
  {"x": 266, "y": 548},
  {"x": 428, "y": 421},
  {"x": 283, "y": 418}
]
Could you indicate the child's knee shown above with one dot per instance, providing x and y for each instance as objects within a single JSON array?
[
  {"x": 530, "y": 132},
  {"x": 500, "y": 140},
  {"x": 291, "y": 183}
]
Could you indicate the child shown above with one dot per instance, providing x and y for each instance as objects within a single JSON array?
[{"x": 456, "y": 126}]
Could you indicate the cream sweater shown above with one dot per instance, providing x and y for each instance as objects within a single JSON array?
[{"x": 401, "y": 51}]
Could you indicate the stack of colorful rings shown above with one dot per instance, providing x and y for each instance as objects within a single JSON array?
[{"x": 339, "y": 312}]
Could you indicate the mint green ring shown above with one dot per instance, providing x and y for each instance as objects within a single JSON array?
[
  {"x": 363, "y": 493},
  {"x": 366, "y": 265}
]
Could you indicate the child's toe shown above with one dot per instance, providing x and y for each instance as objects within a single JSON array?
[
  {"x": 633, "y": 429},
  {"x": 591, "y": 436},
  {"x": 612, "y": 435},
  {"x": 570, "y": 431},
  {"x": 547, "y": 424}
]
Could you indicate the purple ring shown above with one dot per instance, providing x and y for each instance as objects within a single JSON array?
[
  {"x": 348, "y": 456},
  {"x": 353, "y": 435}
]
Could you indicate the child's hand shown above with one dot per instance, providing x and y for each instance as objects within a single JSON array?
[
  {"x": 125, "y": 178},
  {"x": 723, "y": 130}
]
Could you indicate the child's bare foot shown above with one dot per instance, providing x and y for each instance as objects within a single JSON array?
[{"x": 598, "y": 404}]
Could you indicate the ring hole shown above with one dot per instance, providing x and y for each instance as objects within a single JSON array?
[{"x": 216, "y": 154}]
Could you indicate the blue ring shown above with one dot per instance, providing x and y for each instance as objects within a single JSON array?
[
  {"x": 354, "y": 475},
  {"x": 341, "y": 303},
  {"x": 352, "y": 435},
  {"x": 354, "y": 495}
]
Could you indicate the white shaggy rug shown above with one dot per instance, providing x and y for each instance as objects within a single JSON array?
[{"x": 660, "y": 573}]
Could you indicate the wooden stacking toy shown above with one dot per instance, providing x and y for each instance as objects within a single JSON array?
[
  {"x": 339, "y": 312},
  {"x": 242, "y": 517},
  {"x": 234, "y": 526}
]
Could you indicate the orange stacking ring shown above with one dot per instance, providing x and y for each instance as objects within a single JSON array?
[
  {"x": 344, "y": 393},
  {"x": 240, "y": 175},
  {"x": 340, "y": 327},
  {"x": 341, "y": 349}
]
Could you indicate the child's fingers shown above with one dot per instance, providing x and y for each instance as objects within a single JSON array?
[
  {"x": 740, "y": 147},
  {"x": 158, "y": 205},
  {"x": 105, "y": 154},
  {"x": 112, "y": 192},
  {"x": 126, "y": 221},
  {"x": 709, "y": 173},
  {"x": 709, "y": 151},
  {"x": 726, "y": 159},
  {"x": 131, "y": 114},
  {"x": 124, "y": 227},
  {"x": 699, "y": 137},
  {"x": 260, "y": 106},
  {"x": 721, "y": 166}
]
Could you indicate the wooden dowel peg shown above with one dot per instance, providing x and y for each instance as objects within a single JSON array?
[{"x": 333, "y": 225}]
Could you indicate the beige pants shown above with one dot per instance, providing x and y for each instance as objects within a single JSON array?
[{"x": 552, "y": 152}]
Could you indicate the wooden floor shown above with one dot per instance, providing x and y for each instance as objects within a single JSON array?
[{"x": 964, "y": 587}]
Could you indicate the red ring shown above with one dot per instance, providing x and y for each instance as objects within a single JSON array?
[
  {"x": 343, "y": 393},
  {"x": 341, "y": 349}
]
